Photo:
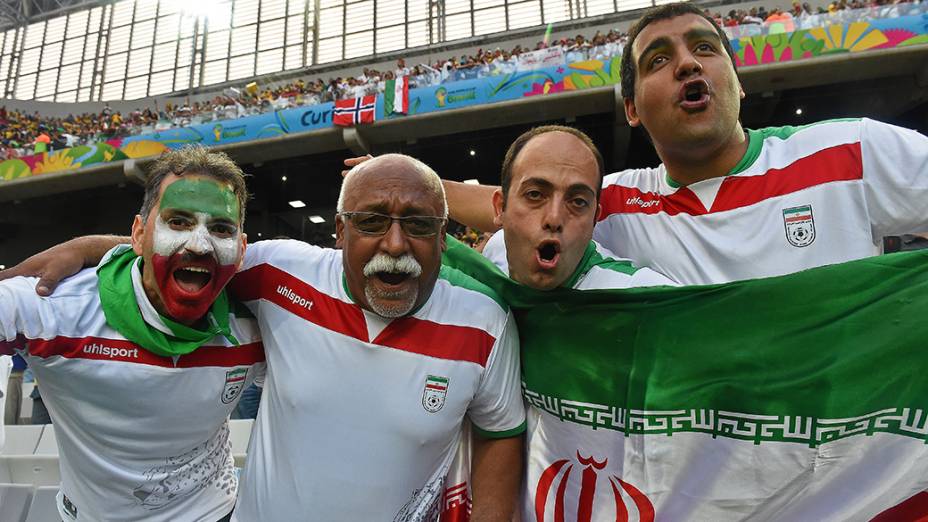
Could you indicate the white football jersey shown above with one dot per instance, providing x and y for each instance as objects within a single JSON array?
[
  {"x": 141, "y": 437},
  {"x": 361, "y": 416},
  {"x": 801, "y": 197}
]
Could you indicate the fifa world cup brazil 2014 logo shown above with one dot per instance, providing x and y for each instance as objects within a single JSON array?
[{"x": 600, "y": 496}]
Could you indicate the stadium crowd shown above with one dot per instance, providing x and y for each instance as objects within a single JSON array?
[{"x": 23, "y": 133}]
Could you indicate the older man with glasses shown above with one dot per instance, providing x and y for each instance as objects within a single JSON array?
[{"x": 376, "y": 353}]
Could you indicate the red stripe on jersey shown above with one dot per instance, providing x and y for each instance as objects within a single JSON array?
[
  {"x": 617, "y": 199},
  {"x": 444, "y": 341},
  {"x": 798, "y": 218},
  {"x": 7, "y": 347},
  {"x": 838, "y": 163},
  {"x": 101, "y": 349},
  {"x": 273, "y": 284},
  {"x": 459, "y": 343}
]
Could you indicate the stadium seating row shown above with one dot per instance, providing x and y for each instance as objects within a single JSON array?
[{"x": 29, "y": 472}]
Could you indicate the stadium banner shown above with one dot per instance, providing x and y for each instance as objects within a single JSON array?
[
  {"x": 859, "y": 36},
  {"x": 800, "y": 397}
]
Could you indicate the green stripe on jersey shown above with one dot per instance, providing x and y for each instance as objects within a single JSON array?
[
  {"x": 518, "y": 430},
  {"x": 592, "y": 258}
]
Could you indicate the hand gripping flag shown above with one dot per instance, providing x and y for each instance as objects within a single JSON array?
[
  {"x": 396, "y": 96},
  {"x": 354, "y": 111},
  {"x": 801, "y": 397}
]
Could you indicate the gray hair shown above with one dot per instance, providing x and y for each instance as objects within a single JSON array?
[{"x": 429, "y": 177}]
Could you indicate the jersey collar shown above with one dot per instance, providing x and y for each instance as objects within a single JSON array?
[{"x": 755, "y": 144}]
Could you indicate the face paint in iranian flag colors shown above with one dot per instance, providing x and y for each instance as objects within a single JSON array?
[{"x": 197, "y": 245}]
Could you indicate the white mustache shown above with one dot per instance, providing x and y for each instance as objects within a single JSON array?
[{"x": 383, "y": 263}]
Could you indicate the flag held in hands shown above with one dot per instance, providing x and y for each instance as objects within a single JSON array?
[
  {"x": 355, "y": 111},
  {"x": 396, "y": 96},
  {"x": 799, "y": 397}
]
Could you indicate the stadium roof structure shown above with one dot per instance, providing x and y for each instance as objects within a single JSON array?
[{"x": 19, "y": 12}]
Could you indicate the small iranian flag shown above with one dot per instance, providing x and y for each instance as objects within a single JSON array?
[
  {"x": 795, "y": 214},
  {"x": 800, "y": 397},
  {"x": 396, "y": 96}
]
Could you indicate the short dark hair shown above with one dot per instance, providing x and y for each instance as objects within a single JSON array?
[
  {"x": 194, "y": 159},
  {"x": 521, "y": 141},
  {"x": 628, "y": 69}
]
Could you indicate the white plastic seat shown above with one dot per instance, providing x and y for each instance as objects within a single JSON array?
[
  {"x": 35, "y": 470},
  {"x": 48, "y": 443},
  {"x": 14, "y": 502},
  {"x": 22, "y": 440},
  {"x": 43, "y": 507}
]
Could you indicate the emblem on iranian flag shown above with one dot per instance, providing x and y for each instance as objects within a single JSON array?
[
  {"x": 800, "y": 227},
  {"x": 235, "y": 381},
  {"x": 433, "y": 396}
]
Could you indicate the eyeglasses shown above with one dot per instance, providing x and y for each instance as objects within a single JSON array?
[{"x": 375, "y": 224}]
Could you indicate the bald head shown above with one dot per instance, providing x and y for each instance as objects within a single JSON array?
[{"x": 393, "y": 165}]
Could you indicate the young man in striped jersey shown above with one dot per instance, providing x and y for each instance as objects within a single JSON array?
[
  {"x": 141, "y": 360},
  {"x": 729, "y": 204}
]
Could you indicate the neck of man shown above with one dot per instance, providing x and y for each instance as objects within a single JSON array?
[{"x": 690, "y": 164}]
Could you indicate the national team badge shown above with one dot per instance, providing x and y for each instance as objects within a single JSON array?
[
  {"x": 433, "y": 396},
  {"x": 235, "y": 381},
  {"x": 800, "y": 227}
]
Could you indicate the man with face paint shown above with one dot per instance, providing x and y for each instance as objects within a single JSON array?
[{"x": 141, "y": 360}]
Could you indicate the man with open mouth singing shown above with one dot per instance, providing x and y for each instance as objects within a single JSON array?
[{"x": 142, "y": 359}]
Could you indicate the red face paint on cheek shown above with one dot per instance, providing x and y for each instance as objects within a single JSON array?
[{"x": 183, "y": 304}]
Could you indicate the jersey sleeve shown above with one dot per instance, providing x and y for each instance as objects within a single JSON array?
[
  {"x": 895, "y": 175},
  {"x": 497, "y": 410},
  {"x": 23, "y": 314}
]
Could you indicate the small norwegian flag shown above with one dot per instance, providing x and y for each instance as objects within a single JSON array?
[{"x": 354, "y": 111}]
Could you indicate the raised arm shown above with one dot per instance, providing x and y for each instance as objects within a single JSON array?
[
  {"x": 64, "y": 260},
  {"x": 471, "y": 205}
]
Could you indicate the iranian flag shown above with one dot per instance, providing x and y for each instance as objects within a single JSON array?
[
  {"x": 396, "y": 96},
  {"x": 801, "y": 397}
]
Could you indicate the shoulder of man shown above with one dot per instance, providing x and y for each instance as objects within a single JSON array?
[
  {"x": 603, "y": 270},
  {"x": 453, "y": 285}
]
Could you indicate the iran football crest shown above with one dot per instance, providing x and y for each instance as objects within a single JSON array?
[
  {"x": 800, "y": 227},
  {"x": 433, "y": 396},
  {"x": 582, "y": 487},
  {"x": 235, "y": 381}
]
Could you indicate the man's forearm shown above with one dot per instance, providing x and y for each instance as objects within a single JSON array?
[
  {"x": 93, "y": 248},
  {"x": 471, "y": 205},
  {"x": 496, "y": 471},
  {"x": 64, "y": 260}
]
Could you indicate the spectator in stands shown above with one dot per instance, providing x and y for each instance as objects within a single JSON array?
[{"x": 124, "y": 402}]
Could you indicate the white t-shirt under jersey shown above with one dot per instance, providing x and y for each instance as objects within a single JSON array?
[
  {"x": 141, "y": 437},
  {"x": 801, "y": 197},
  {"x": 361, "y": 415}
]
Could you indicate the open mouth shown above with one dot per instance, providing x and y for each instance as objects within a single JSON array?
[
  {"x": 192, "y": 279},
  {"x": 548, "y": 253},
  {"x": 694, "y": 95},
  {"x": 392, "y": 278}
]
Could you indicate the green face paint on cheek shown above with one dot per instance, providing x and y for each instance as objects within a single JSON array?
[{"x": 202, "y": 195}]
